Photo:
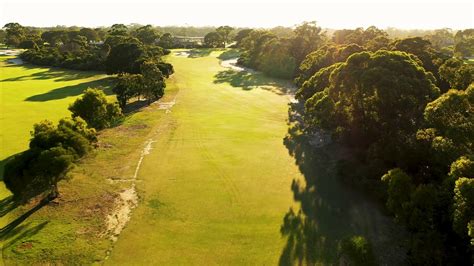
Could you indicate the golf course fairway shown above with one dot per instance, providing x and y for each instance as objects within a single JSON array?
[{"x": 216, "y": 185}]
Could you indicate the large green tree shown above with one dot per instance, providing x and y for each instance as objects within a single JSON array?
[
  {"x": 213, "y": 40},
  {"x": 146, "y": 34},
  {"x": 53, "y": 149},
  {"x": 125, "y": 57},
  {"x": 375, "y": 95},
  {"x": 15, "y": 34},
  {"x": 95, "y": 110},
  {"x": 225, "y": 31}
]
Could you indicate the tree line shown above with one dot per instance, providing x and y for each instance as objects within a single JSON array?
[
  {"x": 281, "y": 55},
  {"x": 403, "y": 108}
]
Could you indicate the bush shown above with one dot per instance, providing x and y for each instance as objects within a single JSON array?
[
  {"x": 53, "y": 149},
  {"x": 95, "y": 110},
  {"x": 358, "y": 250}
]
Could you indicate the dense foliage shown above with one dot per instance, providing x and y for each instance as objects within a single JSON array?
[
  {"x": 278, "y": 56},
  {"x": 149, "y": 84},
  {"x": 95, "y": 110},
  {"x": 53, "y": 149},
  {"x": 116, "y": 50},
  {"x": 404, "y": 109}
]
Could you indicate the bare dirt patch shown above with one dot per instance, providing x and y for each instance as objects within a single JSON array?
[{"x": 126, "y": 201}]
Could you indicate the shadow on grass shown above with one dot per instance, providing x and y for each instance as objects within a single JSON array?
[
  {"x": 7, "y": 205},
  {"x": 249, "y": 81},
  {"x": 74, "y": 90},
  {"x": 135, "y": 106},
  {"x": 57, "y": 74},
  {"x": 314, "y": 232},
  {"x": 13, "y": 229},
  {"x": 229, "y": 54},
  {"x": 330, "y": 211}
]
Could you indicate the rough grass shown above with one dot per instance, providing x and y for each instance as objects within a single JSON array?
[{"x": 71, "y": 230}]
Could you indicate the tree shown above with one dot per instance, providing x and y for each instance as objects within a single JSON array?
[
  {"x": 224, "y": 32},
  {"x": 165, "y": 68},
  {"x": 399, "y": 189},
  {"x": 358, "y": 250},
  {"x": 242, "y": 34},
  {"x": 3, "y": 34},
  {"x": 166, "y": 41},
  {"x": 276, "y": 61},
  {"x": 90, "y": 34},
  {"x": 464, "y": 43},
  {"x": 324, "y": 57},
  {"x": 441, "y": 38},
  {"x": 448, "y": 69},
  {"x": 450, "y": 122},
  {"x": 125, "y": 58},
  {"x": 308, "y": 38},
  {"x": 118, "y": 30},
  {"x": 214, "y": 40},
  {"x": 147, "y": 34},
  {"x": 53, "y": 149},
  {"x": 429, "y": 58},
  {"x": 95, "y": 110},
  {"x": 127, "y": 87},
  {"x": 373, "y": 96},
  {"x": 153, "y": 81},
  {"x": 463, "y": 205},
  {"x": 15, "y": 34}
]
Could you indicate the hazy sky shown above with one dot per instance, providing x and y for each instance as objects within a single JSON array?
[{"x": 429, "y": 14}]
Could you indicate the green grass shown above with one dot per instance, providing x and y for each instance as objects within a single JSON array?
[{"x": 216, "y": 185}]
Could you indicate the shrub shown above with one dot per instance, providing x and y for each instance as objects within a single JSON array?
[
  {"x": 53, "y": 149},
  {"x": 358, "y": 250},
  {"x": 95, "y": 110}
]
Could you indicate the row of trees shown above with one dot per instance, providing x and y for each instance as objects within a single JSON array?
[
  {"x": 148, "y": 84},
  {"x": 90, "y": 49},
  {"x": 404, "y": 108},
  {"x": 275, "y": 56},
  {"x": 53, "y": 148},
  {"x": 280, "y": 56}
]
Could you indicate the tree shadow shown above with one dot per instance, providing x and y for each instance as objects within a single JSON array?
[
  {"x": 134, "y": 107},
  {"x": 7, "y": 205},
  {"x": 12, "y": 228},
  {"x": 248, "y": 81},
  {"x": 74, "y": 90},
  {"x": 57, "y": 74},
  {"x": 330, "y": 211}
]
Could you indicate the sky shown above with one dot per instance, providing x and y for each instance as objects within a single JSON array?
[{"x": 336, "y": 14}]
